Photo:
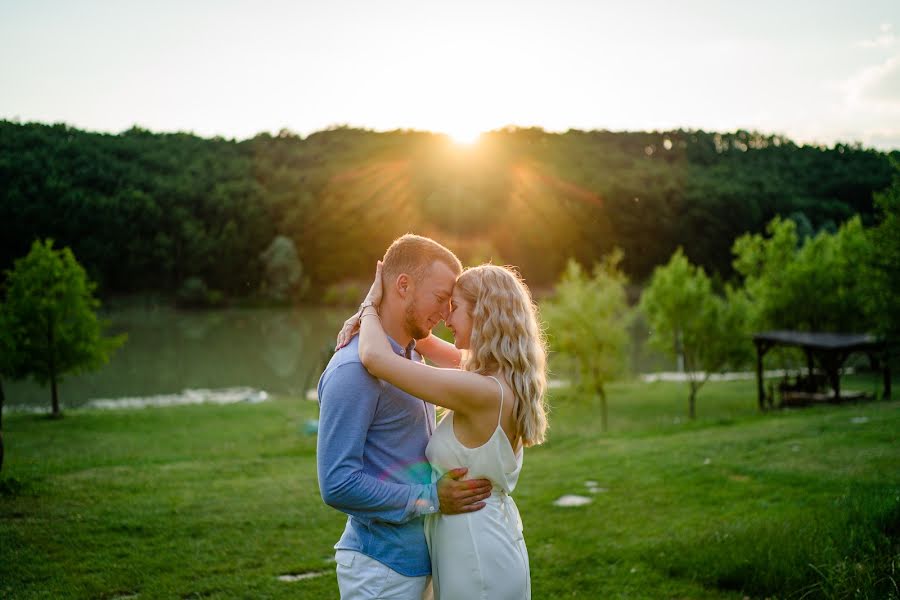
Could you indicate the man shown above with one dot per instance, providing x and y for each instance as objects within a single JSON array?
[{"x": 372, "y": 439}]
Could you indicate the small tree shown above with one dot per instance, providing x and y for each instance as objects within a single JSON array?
[
  {"x": 51, "y": 320},
  {"x": 587, "y": 319},
  {"x": 688, "y": 319},
  {"x": 283, "y": 271}
]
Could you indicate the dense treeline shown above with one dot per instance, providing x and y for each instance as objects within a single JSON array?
[{"x": 146, "y": 211}]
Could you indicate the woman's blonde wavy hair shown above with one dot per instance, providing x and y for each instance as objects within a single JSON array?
[{"x": 507, "y": 339}]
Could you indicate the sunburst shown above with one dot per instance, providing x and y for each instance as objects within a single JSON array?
[{"x": 464, "y": 135}]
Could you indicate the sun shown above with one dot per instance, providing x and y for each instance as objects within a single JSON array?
[{"x": 464, "y": 136}]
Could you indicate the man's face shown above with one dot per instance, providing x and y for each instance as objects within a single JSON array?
[{"x": 430, "y": 300}]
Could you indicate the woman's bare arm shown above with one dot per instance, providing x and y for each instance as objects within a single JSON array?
[
  {"x": 464, "y": 392},
  {"x": 441, "y": 353}
]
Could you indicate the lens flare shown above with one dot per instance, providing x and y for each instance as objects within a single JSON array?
[{"x": 414, "y": 472}]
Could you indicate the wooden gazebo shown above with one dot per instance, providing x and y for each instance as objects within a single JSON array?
[{"x": 829, "y": 349}]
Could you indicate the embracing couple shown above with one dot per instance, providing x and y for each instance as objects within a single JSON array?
[{"x": 429, "y": 506}]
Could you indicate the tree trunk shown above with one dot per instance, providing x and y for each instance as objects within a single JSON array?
[
  {"x": 54, "y": 394},
  {"x": 2, "y": 402},
  {"x": 604, "y": 416},
  {"x": 693, "y": 386},
  {"x": 692, "y": 401},
  {"x": 760, "y": 390},
  {"x": 51, "y": 347},
  {"x": 679, "y": 352}
]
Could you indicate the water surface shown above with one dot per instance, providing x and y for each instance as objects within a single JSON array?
[{"x": 280, "y": 351}]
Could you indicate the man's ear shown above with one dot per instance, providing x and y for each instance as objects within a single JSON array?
[{"x": 403, "y": 285}]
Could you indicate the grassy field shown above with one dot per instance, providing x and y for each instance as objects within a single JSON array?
[{"x": 218, "y": 501}]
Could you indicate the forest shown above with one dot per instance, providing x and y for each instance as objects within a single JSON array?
[{"x": 148, "y": 212}]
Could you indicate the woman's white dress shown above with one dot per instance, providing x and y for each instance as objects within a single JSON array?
[{"x": 479, "y": 555}]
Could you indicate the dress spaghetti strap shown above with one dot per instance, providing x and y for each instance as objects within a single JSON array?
[{"x": 500, "y": 385}]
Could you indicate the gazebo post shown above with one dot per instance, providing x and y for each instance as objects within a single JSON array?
[
  {"x": 809, "y": 365},
  {"x": 887, "y": 378},
  {"x": 879, "y": 358},
  {"x": 834, "y": 360}
]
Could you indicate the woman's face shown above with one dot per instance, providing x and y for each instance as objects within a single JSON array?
[{"x": 460, "y": 320}]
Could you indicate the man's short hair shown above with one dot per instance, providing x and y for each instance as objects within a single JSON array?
[{"x": 414, "y": 254}]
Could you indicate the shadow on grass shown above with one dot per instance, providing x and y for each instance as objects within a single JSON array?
[
  {"x": 10, "y": 486},
  {"x": 854, "y": 556}
]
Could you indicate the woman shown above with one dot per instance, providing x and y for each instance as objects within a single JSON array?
[{"x": 495, "y": 396}]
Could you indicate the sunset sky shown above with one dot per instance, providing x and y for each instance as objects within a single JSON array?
[{"x": 818, "y": 71}]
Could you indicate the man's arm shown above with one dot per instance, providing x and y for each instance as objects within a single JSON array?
[{"x": 348, "y": 397}]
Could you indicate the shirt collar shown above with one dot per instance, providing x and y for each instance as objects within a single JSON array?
[{"x": 400, "y": 350}]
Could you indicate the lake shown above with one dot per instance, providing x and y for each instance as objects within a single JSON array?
[
  {"x": 170, "y": 350},
  {"x": 279, "y": 351}
]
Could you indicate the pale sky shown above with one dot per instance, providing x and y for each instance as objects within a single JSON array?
[{"x": 818, "y": 71}]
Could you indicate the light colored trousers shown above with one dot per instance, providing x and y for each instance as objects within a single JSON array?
[{"x": 363, "y": 578}]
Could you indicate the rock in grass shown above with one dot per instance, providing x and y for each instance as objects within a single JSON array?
[
  {"x": 571, "y": 500},
  {"x": 291, "y": 577},
  {"x": 594, "y": 487}
]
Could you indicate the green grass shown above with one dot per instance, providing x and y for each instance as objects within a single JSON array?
[{"x": 216, "y": 502}]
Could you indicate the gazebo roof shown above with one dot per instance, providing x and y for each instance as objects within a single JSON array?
[{"x": 820, "y": 341}]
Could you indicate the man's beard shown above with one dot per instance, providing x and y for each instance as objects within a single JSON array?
[{"x": 412, "y": 326}]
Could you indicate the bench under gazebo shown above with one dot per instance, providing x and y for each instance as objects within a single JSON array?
[{"x": 830, "y": 350}]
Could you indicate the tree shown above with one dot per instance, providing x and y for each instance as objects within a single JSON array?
[
  {"x": 5, "y": 370},
  {"x": 51, "y": 319},
  {"x": 283, "y": 272},
  {"x": 587, "y": 319},
  {"x": 813, "y": 286},
  {"x": 688, "y": 319},
  {"x": 174, "y": 206},
  {"x": 881, "y": 278}
]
